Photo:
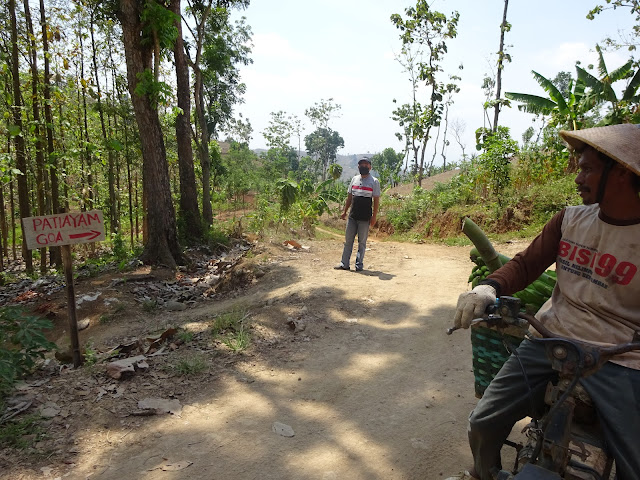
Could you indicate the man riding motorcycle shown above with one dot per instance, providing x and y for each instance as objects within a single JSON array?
[{"x": 596, "y": 249}]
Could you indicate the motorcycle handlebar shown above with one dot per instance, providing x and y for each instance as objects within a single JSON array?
[
  {"x": 506, "y": 312},
  {"x": 605, "y": 352}
]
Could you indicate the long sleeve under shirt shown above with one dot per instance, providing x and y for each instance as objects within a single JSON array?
[{"x": 597, "y": 295}]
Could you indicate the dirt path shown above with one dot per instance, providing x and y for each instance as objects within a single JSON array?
[{"x": 368, "y": 381}]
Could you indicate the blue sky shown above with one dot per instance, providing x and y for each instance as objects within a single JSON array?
[{"x": 305, "y": 51}]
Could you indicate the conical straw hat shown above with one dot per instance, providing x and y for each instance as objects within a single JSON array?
[{"x": 620, "y": 142}]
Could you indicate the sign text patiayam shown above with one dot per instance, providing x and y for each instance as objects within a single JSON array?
[{"x": 63, "y": 229}]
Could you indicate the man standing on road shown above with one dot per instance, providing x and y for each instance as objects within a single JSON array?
[
  {"x": 597, "y": 302},
  {"x": 364, "y": 199}
]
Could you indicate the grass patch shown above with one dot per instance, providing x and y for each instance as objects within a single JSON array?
[
  {"x": 21, "y": 432},
  {"x": 185, "y": 335},
  {"x": 191, "y": 365},
  {"x": 149, "y": 306},
  {"x": 238, "y": 341},
  {"x": 459, "y": 241},
  {"x": 231, "y": 328}
]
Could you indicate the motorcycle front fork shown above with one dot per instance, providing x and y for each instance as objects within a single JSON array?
[{"x": 548, "y": 455}]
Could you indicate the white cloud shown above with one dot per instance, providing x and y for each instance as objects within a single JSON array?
[
  {"x": 565, "y": 55},
  {"x": 270, "y": 46}
]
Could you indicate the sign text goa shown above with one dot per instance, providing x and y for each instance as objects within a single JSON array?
[{"x": 63, "y": 229}]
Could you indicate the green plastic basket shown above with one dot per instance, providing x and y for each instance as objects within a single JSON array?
[{"x": 489, "y": 352}]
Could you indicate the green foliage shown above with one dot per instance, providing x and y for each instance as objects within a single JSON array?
[
  {"x": 90, "y": 354},
  {"x": 549, "y": 197},
  {"x": 263, "y": 214},
  {"x": 323, "y": 144},
  {"x": 119, "y": 246},
  {"x": 279, "y": 162},
  {"x": 288, "y": 190},
  {"x": 218, "y": 236},
  {"x": 498, "y": 148},
  {"x": 7, "y": 277},
  {"x": 300, "y": 203},
  {"x": 601, "y": 89},
  {"x": 226, "y": 46},
  {"x": 403, "y": 214},
  {"x": 634, "y": 8},
  {"x": 535, "y": 167},
  {"x": 159, "y": 25},
  {"x": 22, "y": 342},
  {"x": 335, "y": 171},
  {"x": 388, "y": 164},
  {"x": 235, "y": 174},
  {"x": 540, "y": 187},
  {"x": 424, "y": 34},
  {"x": 158, "y": 92},
  {"x": 567, "y": 109},
  {"x": 280, "y": 130}
]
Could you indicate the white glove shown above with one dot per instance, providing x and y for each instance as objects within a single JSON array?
[{"x": 473, "y": 304}]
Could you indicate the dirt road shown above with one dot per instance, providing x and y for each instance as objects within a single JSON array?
[{"x": 350, "y": 376}]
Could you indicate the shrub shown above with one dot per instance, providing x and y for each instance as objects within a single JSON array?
[
  {"x": 119, "y": 247},
  {"x": 21, "y": 344}
]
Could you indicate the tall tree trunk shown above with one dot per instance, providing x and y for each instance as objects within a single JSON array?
[
  {"x": 445, "y": 143},
  {"x": 188, "y": 192},
  {"x": 503, "y": 27},
  {"x": 202, "y": 141},
  {"x": 35, "y": 105},
  {"x": 130, "y": 186},
  {"x": 65, "y": 184},
  {"x": 113, "y": 216},
  {"x": 54, "y": 252},
  {"x": 48, "y": 115},
  {"x": 88, "y": 196},
  {"x": 203, "y": 150},
  {"x": 162, "y": 239},
  {"x": 137, "y": 209},
  {"x": 13, "y": 217},
  {"x": 4, "y": 251},
  {"x": 4, "y": 230},
  {"x": 21, "y": 158}
]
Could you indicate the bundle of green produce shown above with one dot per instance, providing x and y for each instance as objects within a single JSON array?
[{"x": 533, "y": 296}]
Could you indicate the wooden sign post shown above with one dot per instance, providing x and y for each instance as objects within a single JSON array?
[{"x": 63, "y": 230}]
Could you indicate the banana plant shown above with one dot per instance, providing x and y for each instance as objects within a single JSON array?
[
  {"x": 563, "y": 111},
  {"x": 288, "y": 190},
  {"x": 601, "y": 89}
]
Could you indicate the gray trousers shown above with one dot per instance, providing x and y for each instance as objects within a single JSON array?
[
  {"x": 361, "y": 228},
  {"x": 614, "y": 389}
]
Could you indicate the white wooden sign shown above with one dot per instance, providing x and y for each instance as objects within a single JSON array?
[{"x": 63, "y": 229}]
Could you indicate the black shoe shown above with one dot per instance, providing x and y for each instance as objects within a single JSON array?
[
  {"x": 341, "y": 267},
  {"x": 359, "y": 269}
]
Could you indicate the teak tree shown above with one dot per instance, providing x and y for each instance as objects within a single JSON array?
[
  {"x": 502, "y": 57},
  {"x": 429, "y": 30},
  {"x": 142, "y": 43},
  {"x": 188, "y": 204}
]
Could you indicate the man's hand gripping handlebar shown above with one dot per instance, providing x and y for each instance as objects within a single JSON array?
[{"x": 504, "y": 312}]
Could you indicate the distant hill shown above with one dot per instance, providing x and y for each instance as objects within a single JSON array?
[{"x": 349, "y": 163}]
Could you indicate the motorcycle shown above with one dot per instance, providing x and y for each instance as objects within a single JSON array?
[{"x": 566, "y": 442}]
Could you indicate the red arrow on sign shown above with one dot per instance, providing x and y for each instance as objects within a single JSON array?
[{"x": 92, "y": 234}]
